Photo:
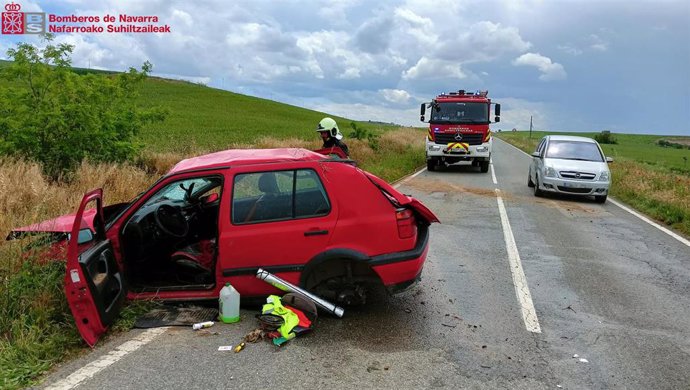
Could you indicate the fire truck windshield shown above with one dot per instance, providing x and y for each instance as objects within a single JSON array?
[{"x": 460, "y": 112}]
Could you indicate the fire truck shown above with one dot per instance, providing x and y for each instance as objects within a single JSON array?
[{"x": 459, "y": 129}]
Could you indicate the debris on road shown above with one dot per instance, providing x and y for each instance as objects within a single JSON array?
[
  {"x": 225, "y": 348},
  {"x": 239, "y": 347},
  {"x": 202, "y": 325},
  {"x": 374, "y": 366},
  {"x": 254, "y": 336}
]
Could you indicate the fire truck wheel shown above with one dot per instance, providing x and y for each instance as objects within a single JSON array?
[
  {"x": 484, "y": 166},
  {"x": 431, "y": 165}
]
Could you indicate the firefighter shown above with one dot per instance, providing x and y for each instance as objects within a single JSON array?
[{"x": 330, "y": 134}]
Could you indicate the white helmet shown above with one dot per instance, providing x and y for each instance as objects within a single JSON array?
[{"x": 329, "y": 125}]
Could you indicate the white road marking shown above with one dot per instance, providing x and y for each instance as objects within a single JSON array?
[
  {"x": 493, "y": 174},
  {"x": 649, "y": 221},
  {"x": 396, "y": 185},
  {"x": 529, "y": 314},
  {"x": 631, "y": 211},
  {"x": 93, "y": 368}
]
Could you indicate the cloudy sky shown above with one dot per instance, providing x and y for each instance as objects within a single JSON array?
[{"x": 572, "y": 65}]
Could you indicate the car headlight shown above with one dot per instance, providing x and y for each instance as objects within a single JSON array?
[
  {"x": 550, "y": 172},
  {"x": 604, "y": 176},
  {"x": 434, "y": 148},
  {"x": 482, "y": 149}
]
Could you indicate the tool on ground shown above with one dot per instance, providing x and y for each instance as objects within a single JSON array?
[
  {"x": 289, "y": 287},
  {"x": 202, "y": 325}
]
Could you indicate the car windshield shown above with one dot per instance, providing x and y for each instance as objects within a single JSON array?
[
  {"x": 574, "y": 150},
  {"x": 460, "y": 112}
]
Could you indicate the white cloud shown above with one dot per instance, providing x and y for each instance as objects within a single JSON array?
[
  {"x": 516, "y": 113},
  {"x": 395, "y": 95},
  {"x": 483, "y": 41},
  {"x": 598, "y": 43},
  {"x": 550, "y": 70},
  {"x": 572, "y": 50},
  {"x": 427, "y": 68}
]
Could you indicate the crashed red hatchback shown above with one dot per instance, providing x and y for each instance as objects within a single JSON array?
[{"x": 315, "y": 221}]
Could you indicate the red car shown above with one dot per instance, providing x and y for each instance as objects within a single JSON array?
[{"x": 318, "y": 222}]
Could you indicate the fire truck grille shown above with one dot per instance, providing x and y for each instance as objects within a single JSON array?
[{"x": 472, "y": 139}]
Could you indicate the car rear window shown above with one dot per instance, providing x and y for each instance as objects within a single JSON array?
[{"x": 574, "y": 150}]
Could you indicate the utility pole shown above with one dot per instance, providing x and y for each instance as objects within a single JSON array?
[{"x": 530, "y": 127}]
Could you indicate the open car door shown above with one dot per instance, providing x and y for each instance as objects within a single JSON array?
[{"x": 94, "y": 285}]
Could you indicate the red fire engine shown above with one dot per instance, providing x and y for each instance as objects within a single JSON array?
[{"x": 459, "y": 129}]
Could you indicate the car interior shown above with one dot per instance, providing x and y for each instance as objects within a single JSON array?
[{"x": 169, "y": 243}]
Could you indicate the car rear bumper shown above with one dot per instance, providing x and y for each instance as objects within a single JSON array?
[
  {"x": 574, "y": 187},
  {"x": 400, "y": 271}
]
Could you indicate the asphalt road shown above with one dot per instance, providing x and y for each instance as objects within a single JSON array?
[{"x": 604, "y": 285}]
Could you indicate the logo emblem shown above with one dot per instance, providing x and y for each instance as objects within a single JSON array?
[
  {"x": 458, "y": 137},
  {"x": 13, "y": 20}
]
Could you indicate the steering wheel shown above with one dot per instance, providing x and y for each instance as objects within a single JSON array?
[{"x": 171, "y": 221}]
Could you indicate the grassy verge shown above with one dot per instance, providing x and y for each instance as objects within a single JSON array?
[
  {"x": 652, "y": 178},
  {"x": 36, "y": 327}
]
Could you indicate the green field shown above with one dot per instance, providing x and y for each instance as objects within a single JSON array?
[
  {"x": 652, "y": 178},
  {"x": 214, "y": 119}
]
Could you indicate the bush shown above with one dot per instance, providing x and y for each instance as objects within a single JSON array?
[
  {"x": 57, "y": 117},
  {"x": 605, "y": 137}
]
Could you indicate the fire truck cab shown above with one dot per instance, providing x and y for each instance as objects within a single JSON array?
[{"x": 459, "y": 129}]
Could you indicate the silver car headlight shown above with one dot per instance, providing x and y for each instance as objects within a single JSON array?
[
  {"x": 604, "y": 176},
  {"x": 550, "y": 172}
]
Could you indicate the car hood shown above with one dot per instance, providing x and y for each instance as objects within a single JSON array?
[
  {"x": 61, "y": 224},
  {"x": 576, "y": 165}
]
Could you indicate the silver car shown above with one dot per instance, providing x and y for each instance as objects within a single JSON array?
[{"x": 570, "y": 165}]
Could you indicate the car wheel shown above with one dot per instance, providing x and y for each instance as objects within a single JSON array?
[
  {"x": 537, "y": 190},
  {"x": 600, "y": 198},
  {"x": 484, "y": 166},
  {"x": 431, "y": 165},
  {"x": 530, "y": 183}
]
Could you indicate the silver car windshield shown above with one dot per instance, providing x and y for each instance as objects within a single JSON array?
[{"x": 574, "y": 150}]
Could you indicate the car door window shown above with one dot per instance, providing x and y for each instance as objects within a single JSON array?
[
  {"x": 262, "y": 196},
  {"x": 278, "y": 195},
  {"x": 310, "y": 196}
]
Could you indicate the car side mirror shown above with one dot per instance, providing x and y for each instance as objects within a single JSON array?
[
  {"x": 497, "y": 110},
  {"x": 497, "y": 119},
  {"x": 536, "y": 154},
  {"x": 609, "y": 160}
]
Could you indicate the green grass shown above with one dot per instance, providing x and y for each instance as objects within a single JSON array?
[{"x": 651, "y": 178}]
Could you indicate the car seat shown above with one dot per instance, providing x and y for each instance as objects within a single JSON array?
[
  {"x": 198, "y": 259},
  {"x": 261, "y": 207}
]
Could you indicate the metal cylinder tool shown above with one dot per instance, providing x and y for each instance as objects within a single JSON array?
[{"x": 283, "y": 285}]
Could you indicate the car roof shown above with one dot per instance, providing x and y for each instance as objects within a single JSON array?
[
  {"x": 236, "y": 157},
  {"x": 570, "y": 138}
]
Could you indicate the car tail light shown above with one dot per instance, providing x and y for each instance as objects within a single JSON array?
[{"x": 407, "y": 226}]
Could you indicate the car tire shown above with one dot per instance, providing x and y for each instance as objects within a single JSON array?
[
  {"x": 431, "y": 165},
  {"x": 530, "y": 183},
  {"x": 600, "y": 198},
  {"x": 484, "y": 166},
  {"x": 537, "y": 191}
]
